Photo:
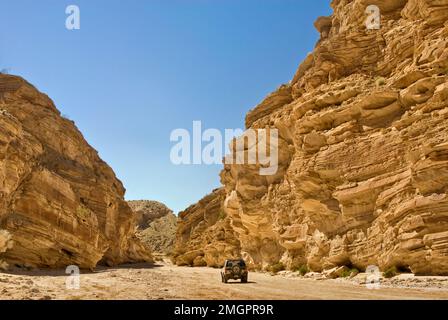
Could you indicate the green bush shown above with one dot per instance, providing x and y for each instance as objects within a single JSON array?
[
  {"x": 391, "y": 272},
  {"x": 349, "y": 273},
  {"x": 354, "y": 272},
  {"x": 276, "y": 268},
  {"x": 302, "y": 270}
]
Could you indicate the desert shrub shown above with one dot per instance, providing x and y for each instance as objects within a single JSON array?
[
  {"x": 302, "y": 269},
  {"x": 353, "y": 272},
  {"x": 276, "y": 268},
  {"x": 349, "y": 273},
  {"x": 346, "y": 273},
  {"x": 391, "y": 272},
  {"x": 83, "y": 212}
]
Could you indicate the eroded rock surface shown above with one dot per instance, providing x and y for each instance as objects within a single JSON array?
[
  {"x": 61, "y": 204},
  {"x": 204, "y": 235},
  {"x": 156, "y": 225},
  {"x": 363, "y": 149}
]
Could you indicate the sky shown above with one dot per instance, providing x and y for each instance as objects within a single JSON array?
[{"x": 136, "y": 70}]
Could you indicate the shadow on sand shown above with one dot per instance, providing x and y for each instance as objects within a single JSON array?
[
  {"x": 241, "y": 283},
  {"x": 59, "y": 272}
]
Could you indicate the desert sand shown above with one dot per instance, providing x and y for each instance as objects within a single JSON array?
[{"x": 166, "y": 281}]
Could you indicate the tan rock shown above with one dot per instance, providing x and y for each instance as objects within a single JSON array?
[
  {"x": 61, "y": 204},
  {"x": 204, "y": 234},
  {"x": 335, "y": 272},
  {"x": 363, "y": 156},
  {"x": 323, "y": 25},
  {"x": 156, "y": 225}
]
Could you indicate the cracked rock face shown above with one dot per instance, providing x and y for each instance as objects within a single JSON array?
[
  {"x": 60, "y": 203},
  {"x": 363, "y": 148}
]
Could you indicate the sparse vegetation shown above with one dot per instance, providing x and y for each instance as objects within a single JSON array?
[
  {"x": 349, "y": 273},
  {"x": 222, "y": 215},
  {"x": 302, "y": 269},
  {"x": 354, "y": 272},
  {"x": 83, "y": 212},
  {"x": 276, "y": 268},
  {"x": 391, "y": 272}
]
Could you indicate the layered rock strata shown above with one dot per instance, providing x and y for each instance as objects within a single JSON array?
[
  {"x": 60, "y": 203},
  {"x": 363, "y": 148},
  {"x": 204, "y": 235}
]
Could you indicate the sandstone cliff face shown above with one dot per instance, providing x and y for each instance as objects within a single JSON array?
[
  {"x": 204, "y": 235},
  {"x": 59, "y": 201},
  {"x": 363, "y": 150},
  {"x": 156, "y": 225}
]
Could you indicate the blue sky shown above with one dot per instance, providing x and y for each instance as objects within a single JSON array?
[{"x": 138, "y": 69}]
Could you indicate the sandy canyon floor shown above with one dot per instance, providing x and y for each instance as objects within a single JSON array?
[{"x": 165, "y": 281}]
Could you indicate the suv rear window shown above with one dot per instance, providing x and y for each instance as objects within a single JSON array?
[{"x": 230, "y": 264}]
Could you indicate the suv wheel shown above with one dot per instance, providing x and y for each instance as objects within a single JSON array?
[{"x": 244, "y": 279}]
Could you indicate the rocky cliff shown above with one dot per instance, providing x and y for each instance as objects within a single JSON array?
[
  {"x": 205, "y": 236},
  {"x": 156, "y": 225},
  {"x": 363, "y": 149},
  {"x": 60, "y": 204}
]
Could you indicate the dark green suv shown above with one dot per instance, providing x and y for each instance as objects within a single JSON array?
[{"x": 234, "y": 270}]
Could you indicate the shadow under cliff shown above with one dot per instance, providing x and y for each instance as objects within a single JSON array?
[{"x": 62, "y": 272}]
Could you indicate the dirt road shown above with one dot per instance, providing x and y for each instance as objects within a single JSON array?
[{"x": 164, "y": 281}]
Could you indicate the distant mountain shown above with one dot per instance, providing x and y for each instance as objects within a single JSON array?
[{"x": 156, "y": 224}]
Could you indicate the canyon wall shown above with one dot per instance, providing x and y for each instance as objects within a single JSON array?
[
  {"x": 363, "y": 150},
  {"x": 60, "y": 204},
  {"x": 204, "y": 234}
]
